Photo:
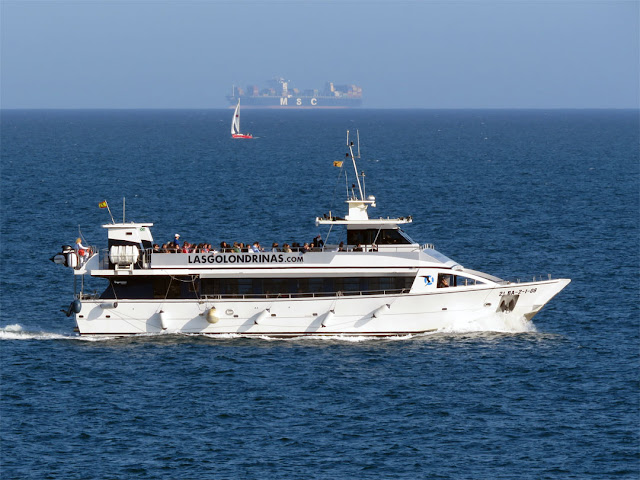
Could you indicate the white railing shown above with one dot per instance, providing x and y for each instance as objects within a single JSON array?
[
  {"x": 240, "y": 296},
  {"x": 535, "y": 278}
]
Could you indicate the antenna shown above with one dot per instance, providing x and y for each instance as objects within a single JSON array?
[
  {"x": 355, "y": 166},
  {"x": 81, "y": 236},
  {"x": 122, "y": 209}
]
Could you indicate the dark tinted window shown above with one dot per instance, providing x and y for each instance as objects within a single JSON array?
[
  {"x": 188, "y": 287},
  {"x": 304, "y": 286},
  {"x": 374, "y": 236}
]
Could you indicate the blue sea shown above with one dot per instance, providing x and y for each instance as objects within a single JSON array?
[{"x": 512, "y": 193}]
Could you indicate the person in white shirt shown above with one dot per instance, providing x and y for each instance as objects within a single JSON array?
[{"x": 81, "y": 251}]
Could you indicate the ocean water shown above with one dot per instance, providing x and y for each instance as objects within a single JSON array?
[{"x": 511, "y": 193}]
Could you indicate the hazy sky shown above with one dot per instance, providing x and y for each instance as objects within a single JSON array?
[{"x": 407, "y": 54}]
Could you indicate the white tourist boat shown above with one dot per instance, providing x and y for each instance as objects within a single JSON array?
[{"x": 379, "y": 283}]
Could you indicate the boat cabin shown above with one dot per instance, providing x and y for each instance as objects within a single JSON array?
[{"x": 362, "y": 230}]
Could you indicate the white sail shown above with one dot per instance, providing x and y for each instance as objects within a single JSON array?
[{"x": 235, "y": 122}]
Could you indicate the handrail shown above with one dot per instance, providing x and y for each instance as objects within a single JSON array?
[
  {"x": 366, "y": 248},
  {"x": 304, "y": 295},
  {"x": 535, "y": 278}
]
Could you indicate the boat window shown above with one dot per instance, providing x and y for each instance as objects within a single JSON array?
[
  {"x": 462, "y": 281},
  {"x": 446, "y": 280},
  {"x": 385, "y": 236},
  {"x": 304, "y": 286},
  {"x": 405, "y": 236},
  {"x": 175, "y": 287},
  {"x": 129, "y": 288},
  {"x": 184, "y": 287}
]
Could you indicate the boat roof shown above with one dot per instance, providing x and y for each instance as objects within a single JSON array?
[{"x": 127, "y": 225}]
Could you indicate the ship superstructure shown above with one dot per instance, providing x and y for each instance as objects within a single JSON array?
[{"x": 280, "y": 93}]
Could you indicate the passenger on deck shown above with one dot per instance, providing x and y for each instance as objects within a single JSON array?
[
  {"x": 317, "y": 242},
  {"x": 255, "y": 248},
  {"x": 286, "y": 248},
  {"x": 156, "y": 248},
  {"x": 275, "y": 247},
  {"x": 236, "y": 247},
  {"x": 358, "y": 248},
  {"x": 341, "y": 247},
  {"x": 176, "y": 240},
  {"x": 81, "y": 251},
  {"x": 306, "y": 248}
]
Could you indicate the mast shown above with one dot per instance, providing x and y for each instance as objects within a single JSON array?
[
  {"x": 235, "y": 121},
  {"x": 353, "y": 159}
]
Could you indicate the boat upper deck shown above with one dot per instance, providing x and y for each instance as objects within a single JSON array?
[{"x": 325, "y": 260}]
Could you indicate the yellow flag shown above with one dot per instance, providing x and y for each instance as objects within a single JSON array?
[
  {"x": 103, "y": 204},
  {"x": 337, "y": 163}
]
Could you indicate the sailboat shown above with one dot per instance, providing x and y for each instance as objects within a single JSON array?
[{"x": 235, "y": 124}]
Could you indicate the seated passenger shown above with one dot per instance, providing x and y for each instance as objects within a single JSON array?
[
  {"x": 286, "y": 248},
  {"x": 443, "y": 281},
  {"x": 275, "y": 247},
  {"x": 358, "y": 248},
  {"x": 341, "y": 247}
]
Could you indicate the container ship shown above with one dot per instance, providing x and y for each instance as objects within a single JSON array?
[{"x": 279, "y": 93}]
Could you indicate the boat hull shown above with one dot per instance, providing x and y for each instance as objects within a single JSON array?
[
  {"x": 296, "y": 102},
  {"x": 360, "y": 315}
]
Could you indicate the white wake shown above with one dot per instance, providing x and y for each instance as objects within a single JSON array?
[{"x": 496, "y": 323}]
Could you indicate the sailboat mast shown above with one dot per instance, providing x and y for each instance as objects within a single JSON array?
[
  {"x": 238, "y": 116},
  {"x": 235, "y": 121}
]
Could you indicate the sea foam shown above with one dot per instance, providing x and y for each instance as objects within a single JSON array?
[{"x": 498, "y": 323}]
